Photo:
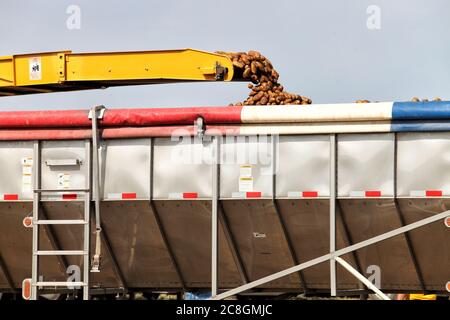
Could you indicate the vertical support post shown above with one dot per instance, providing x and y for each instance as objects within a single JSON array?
[
  {"x": 36, "y": 202},
  {"x": 333, "y": 213},
  {"x": 96, "y": 188},
  {"x": 87, "y": 220},
  {"x": 214, "y": 216}
]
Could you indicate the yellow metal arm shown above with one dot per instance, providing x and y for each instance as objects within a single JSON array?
[{"x": 67, "y": 71}]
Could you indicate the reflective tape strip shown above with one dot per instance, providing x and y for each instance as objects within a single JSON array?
[
  {"x": 122, "y": 196},
  {"x": 426, "y": 193},
  {"x": 433, "y": 193},
  {"x": 69, "y": 196},
  {"x": 9, "y": 197},
  {"x": 253, "y": 194},
  {"x": 184, "y": 195},
  {"x": 129, "y": 195},
  {"x": 303, "y": 194},
  {"x": 372, "y": 193},
  {"x": 59, "y": 196},
  {"x": 190, "y": 195},
  {"x": 365, "y": 194},
  {"x": 246, "y": 195}
]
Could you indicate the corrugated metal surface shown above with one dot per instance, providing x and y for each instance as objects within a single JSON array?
[{"x": 158, "y": 242}]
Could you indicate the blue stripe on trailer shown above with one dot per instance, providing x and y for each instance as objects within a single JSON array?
[
  {"x": 421, "y": 110},
  {"x": 419, "y": 126}
]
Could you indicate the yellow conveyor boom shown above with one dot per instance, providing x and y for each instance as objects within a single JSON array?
[{"x": 67, "y": 71}]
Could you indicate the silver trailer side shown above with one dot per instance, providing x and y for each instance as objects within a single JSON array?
[{"x": 273, "y": 210}]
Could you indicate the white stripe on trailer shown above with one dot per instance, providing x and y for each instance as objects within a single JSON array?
[
  {"x": 318, "y": 112},
  {"x": 315, "y": 128},
  {"x": 238, "y": 195},
  {"x": 357, "y": 194},
  {"x": 114, "y": 196}
]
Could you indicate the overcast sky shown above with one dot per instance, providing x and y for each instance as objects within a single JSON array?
[{"x": 323, "y": 49}]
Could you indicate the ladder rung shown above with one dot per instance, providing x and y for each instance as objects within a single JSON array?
[
  {"x": 60, "y": 190},
  {"x": 60, "y": 252},
  {"x": 59, "y": 284},
  {"x": 75, "y": 222}
]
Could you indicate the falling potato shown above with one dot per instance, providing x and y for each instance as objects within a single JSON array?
[{"x": 265, "y": 88}]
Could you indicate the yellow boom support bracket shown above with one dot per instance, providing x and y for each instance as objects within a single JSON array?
[{"x": 67, "y": 71}]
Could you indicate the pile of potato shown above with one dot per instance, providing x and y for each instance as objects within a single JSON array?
[
  {"x": 265, "y": 89},
  {"x": 414, "y": 99}
]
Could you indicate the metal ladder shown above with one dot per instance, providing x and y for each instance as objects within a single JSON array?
[{"x": 36, "y": 222}]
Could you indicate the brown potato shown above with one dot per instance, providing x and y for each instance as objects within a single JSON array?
[
  {"x": 258, "y": 96},
  {"x": 247, "y": 73},
  {"x": 254, "y": 78},
  {"x": 253, "y": 67},
  {"x": 238, "y": 64}
]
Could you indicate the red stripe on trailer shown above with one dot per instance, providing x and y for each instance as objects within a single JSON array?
[
  {"x": 69, "y": 196},
  {"x": 253, "y": 194},
  {"x": 44, "y": 134},
  {"x": 143, "y": 132},
  {"x": 7, "y": 197},
  {"x": 433, "y": 193},
  {"x": 120, "y": 117},
  {"x": 372, "y": 193},
  {"x": 310, "y": 194},
  {"x": 112, "y": 133},
  {"x": 190, "y": 195},
  {"x": 131, "y": 195}
]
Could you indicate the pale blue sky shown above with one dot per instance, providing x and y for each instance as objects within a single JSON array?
[{"x": 322, "y": 49}]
